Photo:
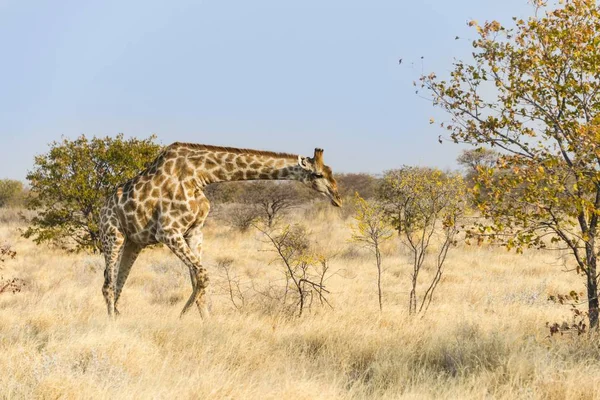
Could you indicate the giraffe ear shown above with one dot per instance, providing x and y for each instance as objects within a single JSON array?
[
  {"x": 318, "y": 159},
  {"x": 305, "y": 163}
]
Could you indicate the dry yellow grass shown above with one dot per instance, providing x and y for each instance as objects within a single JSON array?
[{"x": 483, "y": 337}]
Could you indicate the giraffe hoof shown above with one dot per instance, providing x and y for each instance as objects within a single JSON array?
[{"x": 205, "y": 314}]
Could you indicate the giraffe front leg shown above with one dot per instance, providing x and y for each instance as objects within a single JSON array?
[{"x": 194, "y": 240}]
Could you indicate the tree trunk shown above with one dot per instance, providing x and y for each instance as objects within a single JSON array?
[
  {"x": 378, "y": 258},
  {"x": 592, "y": 283},
  {"x": 593, "y": 302},
  {"x": 412, "y": 306},
  {"x": 592, "y": 291}
]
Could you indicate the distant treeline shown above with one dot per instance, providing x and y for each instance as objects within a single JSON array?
[{"x": 12, "y": 193}]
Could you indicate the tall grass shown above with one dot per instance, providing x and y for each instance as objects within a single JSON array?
[{"x": 485, "y": 335}]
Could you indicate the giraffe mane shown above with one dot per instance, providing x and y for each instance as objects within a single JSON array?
[{"x": 232, "y": 150}]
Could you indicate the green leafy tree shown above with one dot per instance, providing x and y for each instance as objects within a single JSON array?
[
  {"x": 70, "y": 182},
  {"x": 424, "y": 205},
  {"x": 533, "y": 92},
  {"x": 12, "y": 193}
]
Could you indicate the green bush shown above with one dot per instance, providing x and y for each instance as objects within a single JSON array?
[{"x": 70, "y": 183}]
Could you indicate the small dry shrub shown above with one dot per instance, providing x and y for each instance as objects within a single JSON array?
[
  {"x": 229, "y": 282},
  {"x": 12, "y": 285},
  {"x": 305, "y": 270},
  {"x": 9, "y": 285},
  {"x": 6, "y": 252},
  {"x": 270, "y": 299},
  {"x": 241, "y": 217}
]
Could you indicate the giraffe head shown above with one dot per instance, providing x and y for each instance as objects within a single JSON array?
[{"x": 319, "y": 177}]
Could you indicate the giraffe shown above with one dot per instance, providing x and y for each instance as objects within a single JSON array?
[{"x": 165, "y": 204}]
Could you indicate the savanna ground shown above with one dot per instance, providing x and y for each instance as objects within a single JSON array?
[{"x": 485, "y": 335}]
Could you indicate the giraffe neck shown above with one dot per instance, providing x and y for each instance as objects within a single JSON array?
[
  {"x": 240, "y": 167},
  {"x": 210, "y": 164}
]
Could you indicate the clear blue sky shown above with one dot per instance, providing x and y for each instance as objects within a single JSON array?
[{"x": 265, "y": 74}]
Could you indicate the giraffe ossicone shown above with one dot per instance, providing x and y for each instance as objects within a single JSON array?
[{"x": 165, "y": 204}]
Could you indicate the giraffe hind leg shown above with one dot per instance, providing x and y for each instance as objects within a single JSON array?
[
  {"x": 113, "y": 249},
  {"x": 194, "y": 294},
  {"x": 130, "y": 253},
  {"x": 198, "y": 296}
]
